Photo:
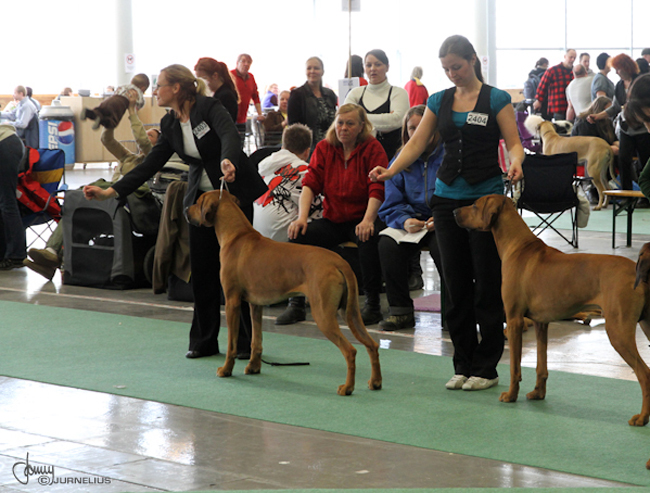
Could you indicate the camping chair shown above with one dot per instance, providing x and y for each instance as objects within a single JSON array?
[
  {"x": 37, "y": 192},
  {"x": 549, "y": 191}
]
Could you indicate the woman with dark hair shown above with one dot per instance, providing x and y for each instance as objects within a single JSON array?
[
  {"x": 634, "y": 140},
  {"x": 385, "y": 105},
  {"x": 219, "y": 82},
  {"x": 202, "y": 133},
  {"x": 534, "y": 76},
  {"x": 357, "y": 69},
  {"x": 312, "y": 104},
  {"x": 471, "y": 118},
  {"x": 637, "y": 113},
  {"x": 406, "y": 210},
  {"x": 338, "y": 170}
]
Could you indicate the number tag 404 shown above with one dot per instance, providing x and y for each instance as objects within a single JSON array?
[{"x": 477, "y": 118}]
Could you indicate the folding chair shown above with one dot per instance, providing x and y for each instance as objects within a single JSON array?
[
  {"x": 37, "y": 192},
  {"x": 549, "y": 191}
]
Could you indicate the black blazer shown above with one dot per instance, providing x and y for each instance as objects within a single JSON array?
[
  {"x": 303, "y": 105},
  {"x": 216, "y": 139},
  {"x": 229, "y": 100}
]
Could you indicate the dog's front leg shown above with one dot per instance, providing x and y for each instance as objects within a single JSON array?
[
  {"x": 541, "y": 331},
  {"x": 255, "y": 363},
  {"x": 233, "y": 308},
  {"x": 515, "y": 329}
]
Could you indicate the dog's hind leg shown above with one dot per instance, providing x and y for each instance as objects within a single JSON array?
[
  {"x": 622, "y": 335},
  {"x": 255, "y": 363},
  {"x": 355, "y": 323},
  {"x": 541, "y": 331},
  {"x": 515, "y": 328},
  {"x": 233, "y": 310},
  {"x": 324, "y": 314}
]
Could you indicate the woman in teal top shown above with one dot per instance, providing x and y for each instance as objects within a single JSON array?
[{"x": 471, "y": 117}]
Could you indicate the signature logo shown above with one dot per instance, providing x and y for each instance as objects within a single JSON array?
[{"x": 23, "y": 470}]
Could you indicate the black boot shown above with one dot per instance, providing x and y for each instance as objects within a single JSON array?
[
  {"x": 415, "y": 273},
  {"x": 294, "y": 313},
  {"x": 371, "y": 311}
]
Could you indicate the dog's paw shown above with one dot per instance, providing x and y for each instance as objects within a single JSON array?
[
  {"x": 638, "y": 420},
  {"x": 536, "y": 395},
  {"x": 221, "y": 372},
  {"x": 345, "y": 390},
  {"x": 252, "y": 369},
  {"x": 507, "y": 397},
  {"x": 374, "y": 385}
]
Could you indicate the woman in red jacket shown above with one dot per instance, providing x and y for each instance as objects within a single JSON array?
[{"x": 338, "y": 170}]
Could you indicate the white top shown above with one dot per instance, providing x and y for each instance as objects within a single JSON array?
[
  {"x": 579, "y": 93},
  {"x": 189, "y": 146},
  {"x": 374, "y": 97},
  {"x": 282, "y": 171}
]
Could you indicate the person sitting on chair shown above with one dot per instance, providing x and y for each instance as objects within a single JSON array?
[
  {"x": 21, "y": 117},
  {"x": 283, "y": 172},
  {"x": 406, "y": 210},
  {"x": 46, "y": 261}
]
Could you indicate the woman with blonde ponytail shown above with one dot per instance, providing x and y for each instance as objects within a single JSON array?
[{"x": 200, "y": 130}]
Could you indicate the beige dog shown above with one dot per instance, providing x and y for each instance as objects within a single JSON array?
[
  {"x": 262, "y": 272},
  {"x": 545, "y": 284},
  {"x": 597, "y": 152}
]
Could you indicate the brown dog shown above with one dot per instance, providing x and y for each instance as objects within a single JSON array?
[
  {"x": 262, "y": 272},
  {"x": 597, "y": 152},
  {"x": 545, "y": 284}
]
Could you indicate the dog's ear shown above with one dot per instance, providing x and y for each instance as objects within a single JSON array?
[
  {"x": 643, "y": 265},
  {"x": 491, "y": 209},
  {"x": 208, "y": 210}
]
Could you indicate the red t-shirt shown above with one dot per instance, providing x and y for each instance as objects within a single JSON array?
[{"x": 247, "y": 89}]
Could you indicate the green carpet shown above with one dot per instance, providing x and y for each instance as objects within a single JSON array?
[
  {"x": 445, "y": 490},
  {"x": 580, "y": 428},
  {"x": 601, "y": 221}
]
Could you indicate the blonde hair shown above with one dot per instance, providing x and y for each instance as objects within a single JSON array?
[
  {"x": 366, "y": 131},
  {"x": 190, "y": 86}
]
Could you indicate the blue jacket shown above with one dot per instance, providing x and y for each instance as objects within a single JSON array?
[{"x": 404, "y": 194}]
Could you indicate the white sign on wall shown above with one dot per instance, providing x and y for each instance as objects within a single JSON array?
[{"x": 129, "y": 63}]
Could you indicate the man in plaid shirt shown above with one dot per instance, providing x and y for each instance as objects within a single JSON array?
[{"x": 552, "y": 87}]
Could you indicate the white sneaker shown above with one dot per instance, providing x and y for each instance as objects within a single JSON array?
[
  {"x": 456, "y": 382},
  {"x": 478, "y": 383}
]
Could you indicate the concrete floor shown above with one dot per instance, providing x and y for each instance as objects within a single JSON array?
[{"x": 125, "y": 444}]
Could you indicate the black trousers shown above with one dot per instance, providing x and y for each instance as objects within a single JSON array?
[
  {"x": 395, "y": 258},
  {"x": 472, "y": 272},
  {"x": 326, "y": 234},
  {"x": 629, "y": 147},
  {"x": 208, "y": 295}
]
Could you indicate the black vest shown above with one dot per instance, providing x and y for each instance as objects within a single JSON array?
[
  {"x": 390, "y": 141},
  {"x": 471, "y": 151}
]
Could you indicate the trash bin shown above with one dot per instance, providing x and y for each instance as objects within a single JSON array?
[{"x": 56, "y": 129}]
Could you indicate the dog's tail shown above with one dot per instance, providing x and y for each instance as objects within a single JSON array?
[
  {"x": 610, "y": 167},
  {"x": 351, "y": 306},
  {"x": 532, "y": 124}
]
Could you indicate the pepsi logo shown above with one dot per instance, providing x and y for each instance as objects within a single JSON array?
[{"x": 66, "y": 133}]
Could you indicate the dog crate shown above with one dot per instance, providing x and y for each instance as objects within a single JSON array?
[{"x": 100, "y": 247}]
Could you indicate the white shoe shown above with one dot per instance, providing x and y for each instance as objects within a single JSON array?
[
  {"x": 456, "y": 382},
  {"x": 478, "y": 383}
]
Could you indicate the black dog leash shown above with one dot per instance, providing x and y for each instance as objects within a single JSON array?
[{"x": 271, "y": 363}]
